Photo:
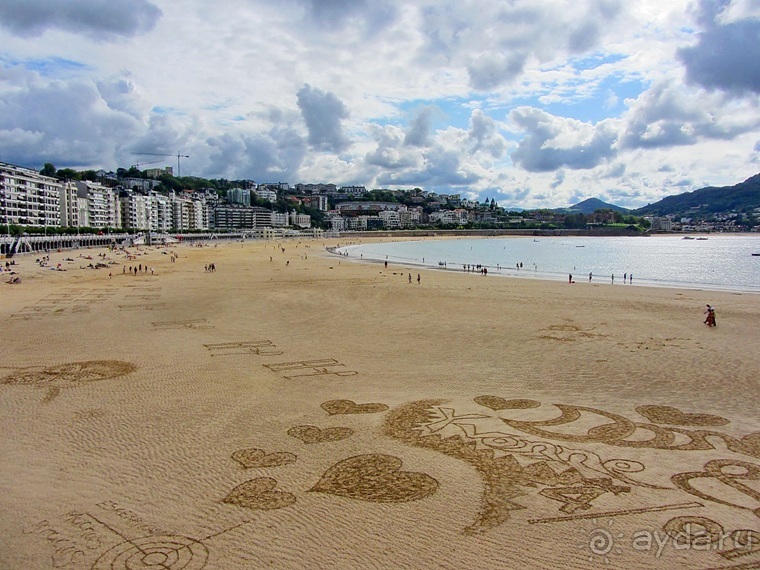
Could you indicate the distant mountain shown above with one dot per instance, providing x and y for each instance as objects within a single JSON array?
[
  {"x": 740, "y": 197},
  {"x": 592, "y": 205}
]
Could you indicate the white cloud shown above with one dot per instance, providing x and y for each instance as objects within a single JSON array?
[{"x": 360, "y": 92}]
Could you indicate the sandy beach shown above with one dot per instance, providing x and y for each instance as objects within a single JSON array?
[{"x": 314, "y": 412}]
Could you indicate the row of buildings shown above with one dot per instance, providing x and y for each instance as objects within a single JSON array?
[{"x": 29, "y": 198}]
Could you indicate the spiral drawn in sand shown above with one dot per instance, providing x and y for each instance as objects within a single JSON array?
[{"x": 153, "y": 552}]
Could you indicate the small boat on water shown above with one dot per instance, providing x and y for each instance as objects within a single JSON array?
[
  {"x": 687, "y": 237},
  {"x": 701, "y": 239},
  {"x": 756, "y": 255}
]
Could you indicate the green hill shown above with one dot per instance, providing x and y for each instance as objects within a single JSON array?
[
  {"x": 741, "y": 197},
  {"x": 590, "y": 206}
]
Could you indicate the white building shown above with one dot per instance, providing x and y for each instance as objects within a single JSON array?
[
  {"x": 135, "y": 211},
  {"x": 265, "y": 194},
  {"x": 103, "y": 206},
  {"x": 300, "y": 220},
  {"x": 455, "y": 217},
  {"x": 28, "y": 198},
  {"x": 409, "y": 218},
  {"x": 279, "y": 219},
  {"x": 160, "y": 212},
  {"x": 391, "y": 219},
  {"x": 143, "y": 184},
  {"x": 239, "y": 196}
]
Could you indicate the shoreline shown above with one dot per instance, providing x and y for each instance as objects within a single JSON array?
[{"x": 557, "y": 276}]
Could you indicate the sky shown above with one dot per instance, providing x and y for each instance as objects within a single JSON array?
[{"x": 533, "y": 103}]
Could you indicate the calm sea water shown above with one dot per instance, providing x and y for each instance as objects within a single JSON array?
[{"x": 721, "y": 262}]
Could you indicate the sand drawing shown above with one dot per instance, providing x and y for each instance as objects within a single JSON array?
[
  {"x": 54, "y": 378},
  {"x": 197, "y": 324},
  {"x": 567, "y": 333},
  {"x": 706, "y": 534},
  {"x": 320, "y": 367},
  {"x": 733, "y": 476},
  {"x": 674, "y": 416},
  {"x": 143, "y": 307},
  {"x": 251, "y": 458},
  {"x": 610, "y": 514},
  {"x": 526, "y": 460},
  {"x": 165, "y": 552},
  {"x": 259, "y": 494},
  {"x": 376, "y": 478},
  {"x": 312, "y": 434},
  {"x": 336, "y": 407},
  {"x": 496, "y": 403},
  {"x": 258, "y": 347},
  {"x": 145, "y": 297},
  {"x": 317, "y": 367}
]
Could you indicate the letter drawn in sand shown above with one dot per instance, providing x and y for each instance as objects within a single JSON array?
[
  {"x": 321, "y": 367},
  {"x": 197, "y": 324},
  {"x": 257, "y": 347}
]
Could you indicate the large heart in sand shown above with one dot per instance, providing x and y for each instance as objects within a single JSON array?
[
  {"x": 312, "y": 434},
  {"x": 675, "y": 417},
  {"x": 335, "y": 407},
  {"x": 259, "y": 494},
  {"x": 250, "y": 458},
  {"x": 376, "y": 478}
]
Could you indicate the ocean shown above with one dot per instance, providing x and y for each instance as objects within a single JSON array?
[{"x": 715, "y": 262}]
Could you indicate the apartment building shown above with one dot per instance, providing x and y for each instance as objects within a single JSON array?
[
  {"x": 264, "y": 194},
  {"x": 300, "y": 220},
  {"x": 235, "y": 217},
  {"x": 239, "y": 196},
  {"x": 73, "y": 206},
  {"x": 27, "y": 197},
  {"x": 103, "y": 205},
  {"x": 135, "y": 210}
]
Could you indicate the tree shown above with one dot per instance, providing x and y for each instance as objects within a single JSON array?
[{"x": 48, "y": 169}]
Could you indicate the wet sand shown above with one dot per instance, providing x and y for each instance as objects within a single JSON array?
[{"x": 324, "y": 413}]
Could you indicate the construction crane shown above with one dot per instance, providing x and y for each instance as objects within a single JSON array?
[
  {"x": 138, "y": 164},
  {"x": 178, "y": 155}
]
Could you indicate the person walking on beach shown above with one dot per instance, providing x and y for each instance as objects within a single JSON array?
[
  {"x": 625, "y": 277},
  {"x": 710, "y": 320},
  {"x": 630, "y": 279},
  {"x": 410, "y": 278},
  {"x": 418, "y": 279},
  {"x": 613, "y": 278},
  {"x": 570, "y": 278},
  {"x": 589, "y": 276}
]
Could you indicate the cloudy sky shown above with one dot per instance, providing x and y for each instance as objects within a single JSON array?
[{"x": 536, "y": 103}]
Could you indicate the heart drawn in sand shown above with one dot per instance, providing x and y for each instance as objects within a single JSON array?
[
  {"x": 376, "y": 478},
  {"x": 313, "y": 434},
  {"x": 675, "y": 417},
  {"x": 250, "y": 458},
  {"x": 259, "y": 494},
  {"x": 335, "y": 407},
  {"x": 496, "y": 403},
  {"x": 751, "y": 444}
]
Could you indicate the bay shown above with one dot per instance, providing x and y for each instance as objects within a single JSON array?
[{"x": 716, "y": 262}]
